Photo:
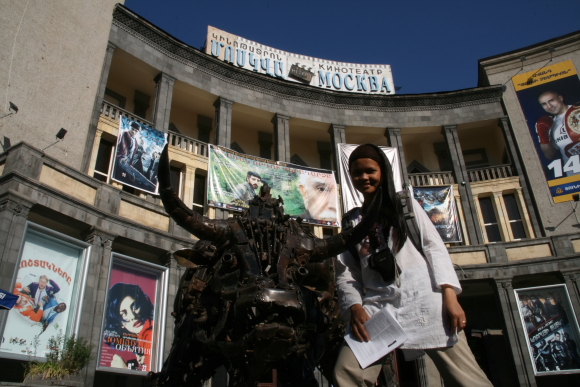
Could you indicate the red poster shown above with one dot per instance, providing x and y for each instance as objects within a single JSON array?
[{"x": 129, "y": 327}]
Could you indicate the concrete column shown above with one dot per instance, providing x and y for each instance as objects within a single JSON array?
[
  {"x": 572, "y": 280},
  {"x": 337, "y": 136},
  {"x": 281, "y": 137},
  {"x": 514, "y": 332},
  {"x": 325, "y": 151},
  {"x": 95, "y": 151},
  {"x": 204, "y": 127},
  {"x": 223, "y": 122},
  {"x": 97, "y": 107},
  {"x": 189, "y": 181},
  {"x": 95, "y": 292},
  {"x": 13, "y": 216},
  {"x": 526, "y": 218},
  {"x": 502, "y": 217},
  {"x": 395, "y": 141},
  {"x": 163, "y": 96},
  {"x": 460, "y": 172},
  {"x": 518, "y": 166}
]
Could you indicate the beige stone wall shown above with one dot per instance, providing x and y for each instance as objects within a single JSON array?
[
  {"x": 469, "y": 258},
  {"x": 500, "y": 70},
  {"x": 50, "y": 67},
  {"x": 527, "y": 252},
  {"x": 144, "y": 216},
  {"x": 68, "y": 185}
]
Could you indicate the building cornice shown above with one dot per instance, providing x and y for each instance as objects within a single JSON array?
[{"x": 173, "y": 48}]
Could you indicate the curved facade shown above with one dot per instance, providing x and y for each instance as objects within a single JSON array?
[{"x": 473, "y": 139}]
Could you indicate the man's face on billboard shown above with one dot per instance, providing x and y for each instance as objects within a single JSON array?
[
  {"x": 254, "y": 181},
  {"x": 319, "y": 197},
  {"x": 552, "y": 103},
  {"x": 42, "y": 283}
]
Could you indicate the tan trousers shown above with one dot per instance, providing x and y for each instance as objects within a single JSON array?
[{"x": 456, "y": 365}]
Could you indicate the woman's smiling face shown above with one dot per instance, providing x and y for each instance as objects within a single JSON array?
[
  {"x": 131, "y": 317},
  {"x": 366, "y": 176}
]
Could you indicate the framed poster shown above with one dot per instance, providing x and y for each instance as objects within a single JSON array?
[
  {"x": 49, "y": 283},
  {"x": 134, "y": 317},
  {"x": 551, "y": 329}
]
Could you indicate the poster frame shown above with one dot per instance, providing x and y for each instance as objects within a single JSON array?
[
  {"x": 160, "y": 317},
  {"x": 573, "y": 321},
  {"x": 82, "y": 272}
]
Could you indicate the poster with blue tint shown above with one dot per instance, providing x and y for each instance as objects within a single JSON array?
[
  {"x": 551, "y": 329},
  {"x": 137, "y": 155},
  {"x": 439, "y": 204}
]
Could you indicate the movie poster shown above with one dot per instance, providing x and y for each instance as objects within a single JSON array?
[
  {"x": 552, "y": 329},
  {"x": 137, "y": 155},
  {"x": 439, "y": 203},
  {"x": 308, "y": 193},
  {"x": 47, "y": 286},
  {"x": 351, "y": 198},
  {"x": 550, "y": 101},
  {"x": 129, "y": 322}
]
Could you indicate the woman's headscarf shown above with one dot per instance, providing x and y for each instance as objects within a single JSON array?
[{"x": 391, "y": 209}]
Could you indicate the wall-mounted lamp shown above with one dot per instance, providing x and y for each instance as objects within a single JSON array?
[
  {"x": 13, "y": 109},
  {"x": 59, "y": 136}
]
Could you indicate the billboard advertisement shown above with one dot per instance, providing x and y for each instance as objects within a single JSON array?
[
  {"x": 439, "y": 204},
  {"x": 137, "y": 155},
  {"x": 48, "y": 282},
  {"x": 235, "y": 178},
  {"x": 320, "y": 73},
  {"x": 131, "y": 317},
  {"x": 551, "y": 329},
  {"x": 550, "y": 100}
]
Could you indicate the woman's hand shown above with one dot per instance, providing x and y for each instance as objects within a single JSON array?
[
  {"x": 358, "y": 317},
  {"x": 453, "y": 311}
]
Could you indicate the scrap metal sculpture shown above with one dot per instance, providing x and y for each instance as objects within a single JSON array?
[{"x": 258, "y": 293}]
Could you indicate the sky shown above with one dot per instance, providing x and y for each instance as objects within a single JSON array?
[{"x": 432, "y": 46}]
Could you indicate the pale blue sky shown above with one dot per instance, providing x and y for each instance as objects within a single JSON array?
[{"x": 432, "y": 46}]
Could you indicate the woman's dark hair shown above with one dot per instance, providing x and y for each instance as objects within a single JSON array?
[
  {"x": 391, "y": 209},
  {"x": 117, "y": 294}
]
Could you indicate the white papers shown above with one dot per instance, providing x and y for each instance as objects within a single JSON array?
[{"x": 386, "y": 335}]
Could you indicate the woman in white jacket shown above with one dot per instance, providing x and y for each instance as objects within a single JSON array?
[{"x": 421, "y": 292}]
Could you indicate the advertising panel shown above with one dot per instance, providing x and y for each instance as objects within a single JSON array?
[
  {"x": 137, "y": 155},
  {"x": 551, "y": 327},
  {"x": 47, "y": 284},
  {"x": 550, "y": 100},
  {"x": 308, "y": 193},
  {"x": 439, "y": 203},
  {"x": 321, "y": 73},
  {"x": 131, "y": 318},
  {"x": 351, "y": 198}
]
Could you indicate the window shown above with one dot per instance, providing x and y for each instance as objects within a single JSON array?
[
  {"x": 199, "y": 194},
  {"x": 104, "y": 161},
  {"x": 176, "y": 181},
  {"x": 489, "y": 219},
  {"x": 514, "y": 216}
]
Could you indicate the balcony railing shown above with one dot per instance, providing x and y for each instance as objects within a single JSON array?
[
  {"x": 114, "y": 112},
  {"x": 490, "y": 173},
  {"x": 187, "y": 143},
  {"x": 431, "y": 178}
]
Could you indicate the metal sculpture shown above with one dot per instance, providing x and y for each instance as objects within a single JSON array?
[{"x": 258, "y": 293}]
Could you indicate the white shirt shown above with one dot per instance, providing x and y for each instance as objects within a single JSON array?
[
  {"x": 418, "y": 303},
  {"x": 39, "y": 294},
  {"x": 560, "y": 135}
]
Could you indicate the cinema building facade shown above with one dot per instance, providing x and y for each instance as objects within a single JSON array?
[{"x": 60, "y": 201}]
